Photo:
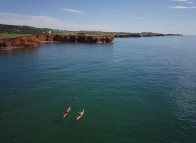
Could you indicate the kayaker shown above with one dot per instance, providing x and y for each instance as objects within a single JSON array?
[
  {"x": 67, "y": 111},
  {"x": 81, "y": 113}
]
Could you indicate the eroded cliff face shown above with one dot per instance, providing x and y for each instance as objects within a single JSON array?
[
  {"x": 44, "y": 38},
  {"x": 19, "y": 42},
  {"x": 85, "y": 39},
  {"x": 34, "y": 41}
]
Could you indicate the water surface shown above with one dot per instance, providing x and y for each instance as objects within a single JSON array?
[{"x": 135, "y": 90}]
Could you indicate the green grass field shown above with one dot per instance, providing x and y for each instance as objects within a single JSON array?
[{"x": 9, "y": 35}]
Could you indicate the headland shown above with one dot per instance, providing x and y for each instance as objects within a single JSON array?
[
  {"x": 35, "y": 41},
  {"x": 13, "y": 36}
]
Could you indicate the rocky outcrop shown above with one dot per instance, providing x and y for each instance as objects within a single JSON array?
[
  {"x": 85, "y": 39},
  {"x": 19, "y": 42},
  {"x": 34, "y": 41},
  {"x": 44, "y": 38}
]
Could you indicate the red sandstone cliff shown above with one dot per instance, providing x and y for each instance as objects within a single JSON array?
[
  {"x": 44, "y": 38},
  {"x": 85, "y": 39},
  {"x": 19, "y": 42},
  {"x": 34, "y": 41}
]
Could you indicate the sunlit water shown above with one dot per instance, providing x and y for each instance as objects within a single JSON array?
[{"x": 137, "y": 90}]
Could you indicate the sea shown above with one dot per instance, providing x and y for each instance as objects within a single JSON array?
[{"x": 135, "y": 90}]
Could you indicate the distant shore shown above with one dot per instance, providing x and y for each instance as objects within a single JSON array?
[{"x": 143, "y": 35}]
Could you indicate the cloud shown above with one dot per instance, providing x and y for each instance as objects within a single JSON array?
[
  {"x": 73, "y": 11},
  {"x": 137, "y": 18},
  {"x": 45, "y": 22},
  {"x": 182, "y": 7},
  {"x": 189, "y": 2},
  {"x": 185, "y": 1}
]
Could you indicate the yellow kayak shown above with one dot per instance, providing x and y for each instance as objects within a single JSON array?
[{"x": 80, "y": 115}]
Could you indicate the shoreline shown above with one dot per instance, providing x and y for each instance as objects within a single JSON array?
[
  {"x": 143, "y": 35},
  {"x": 35, "y": 41},
  {"x": 8, "y": 44}
]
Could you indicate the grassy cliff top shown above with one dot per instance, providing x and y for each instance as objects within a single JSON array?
[
  {"x": 13, "y": 31},
  {"x": 13, "y": 35}
]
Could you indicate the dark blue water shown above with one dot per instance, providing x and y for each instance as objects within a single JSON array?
[{"x": 137, "y": 90}]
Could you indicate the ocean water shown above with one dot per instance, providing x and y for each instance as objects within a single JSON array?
[{"x": 136, "y": 90}]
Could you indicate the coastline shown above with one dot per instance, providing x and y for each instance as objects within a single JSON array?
[
  {"x": 7, "y": 44},
  {"x": 143, "y": 35},
  {"x": 35, "y": 41}
]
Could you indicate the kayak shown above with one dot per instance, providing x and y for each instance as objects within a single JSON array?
[
  {"x": 67, "y": 112},
  {"x": 80, "y": 115}
]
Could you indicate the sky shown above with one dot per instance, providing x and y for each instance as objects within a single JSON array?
[{"x": 161, "y": 16}]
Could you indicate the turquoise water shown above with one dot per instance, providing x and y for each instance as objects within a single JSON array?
[{"x": 137, "y": 90}]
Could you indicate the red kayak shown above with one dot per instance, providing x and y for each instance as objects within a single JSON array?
[{"x": 67, "y": 112}]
